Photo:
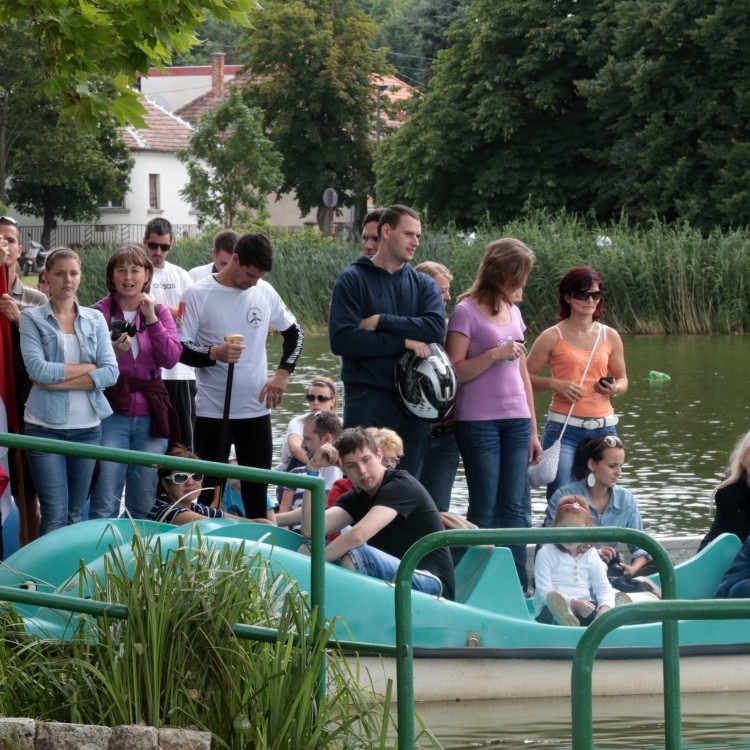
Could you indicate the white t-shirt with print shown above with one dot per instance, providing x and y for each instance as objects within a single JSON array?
[
  {"x": 167, "y": 286},
  {"x": 212, "y": 311}
]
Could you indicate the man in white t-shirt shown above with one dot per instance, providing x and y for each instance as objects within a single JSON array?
[
  {"x": 221, "y": 252},
  {"x": 237, "y": 301},
  {"x": 168, "y": 283}
]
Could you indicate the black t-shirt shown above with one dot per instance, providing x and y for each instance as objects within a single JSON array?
[{"x": 417, "y": 516}]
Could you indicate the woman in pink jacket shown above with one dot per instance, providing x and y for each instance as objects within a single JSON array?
[{"x": 145, "y": 339}]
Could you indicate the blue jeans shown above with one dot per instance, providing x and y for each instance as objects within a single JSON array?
[
  {"x": 376, "y": 407},
  {"x": 571, "y": 437},
  {"x": 133, "y": 433},
  {"x": 495, "y": 453},
  {"x": 378, "y": 564},
  {"x": 440, "y": 466},
  {"x": 62, "y": 482}
]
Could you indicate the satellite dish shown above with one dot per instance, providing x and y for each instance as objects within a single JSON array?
[{"x": 161, "y": 101}]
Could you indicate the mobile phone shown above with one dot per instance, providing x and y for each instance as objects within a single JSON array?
[{"x": 607, "y": 379}]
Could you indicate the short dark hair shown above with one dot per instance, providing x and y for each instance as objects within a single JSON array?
[
  {"x": 375, "y": 215},
  {"x": 159, "y": 226},
  {"x": 226, "y": 240},
  {"x": 354, "y": 439},
  {"x": 127, "y": 254},
  {"x": 255, "y": 249},
  {"x": 579, "y": 279},
  {"x": 325, "y": 423},
  {"x": 393, "y": 215}
]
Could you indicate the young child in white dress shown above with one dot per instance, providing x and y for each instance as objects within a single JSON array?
[{"x": 572, "y": 587}]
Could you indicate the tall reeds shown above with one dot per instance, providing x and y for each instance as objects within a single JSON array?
[{"x": 659, "y": 278}]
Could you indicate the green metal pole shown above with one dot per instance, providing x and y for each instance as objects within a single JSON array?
[
  {"x": 666, "y": 611},
  {"x": 404, "y": 641}
]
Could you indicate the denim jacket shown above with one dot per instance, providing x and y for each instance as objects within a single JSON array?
[{"x": 42, "y": 350}]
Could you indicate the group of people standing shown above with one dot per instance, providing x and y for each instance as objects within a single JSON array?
[
  {"x": 100, "y": 375},
  {"x": 147, "y": 367}
]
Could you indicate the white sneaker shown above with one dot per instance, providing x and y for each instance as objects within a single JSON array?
[{"x": 561, "y": 610}]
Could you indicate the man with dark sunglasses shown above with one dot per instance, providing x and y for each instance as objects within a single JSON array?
[{"x": 168, "y": 283}]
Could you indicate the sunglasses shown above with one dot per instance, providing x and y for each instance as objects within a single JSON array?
[
  {"x": 8, "y": 220},
  {"x": 611, "y": 441},
  {"x": 180, "y": 477},
  {"x": 310, "y": 397},
  {"x": 165, "y": 246},
  {"x": 597, "y": 295},
  {"x": 392, "y": 461}
]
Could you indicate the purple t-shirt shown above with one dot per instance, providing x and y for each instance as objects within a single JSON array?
[{"x": 497, "y": 393}]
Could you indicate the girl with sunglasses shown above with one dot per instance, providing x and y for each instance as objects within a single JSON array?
[
  {"x": 566, "y": 574},
  {"x": 182, "y": 489},
  {"x": 597, "y": 467},
  {"x": 564, "y": 349},
  {"x": 321, "y": 396}
]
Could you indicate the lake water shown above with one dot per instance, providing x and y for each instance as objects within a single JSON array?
[{"x": 678, "y": 434}]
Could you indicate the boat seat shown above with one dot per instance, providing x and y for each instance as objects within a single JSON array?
[
  {"x": 698, "y": 577},
  {"x": 486, "y": 577}
]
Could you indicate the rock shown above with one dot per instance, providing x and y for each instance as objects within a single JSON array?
[
  {"x": 184, "y": 739},
  {"x": 54, "y": 736},
  {"x": 17, "y": 733},
  {"x": 133, "y": 737}
]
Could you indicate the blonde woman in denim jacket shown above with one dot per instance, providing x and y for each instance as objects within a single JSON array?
[{"x": 69, "y": 357}]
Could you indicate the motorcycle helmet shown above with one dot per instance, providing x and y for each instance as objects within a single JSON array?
[{"x": 426, "y": 386}]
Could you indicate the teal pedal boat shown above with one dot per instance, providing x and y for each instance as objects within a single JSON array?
[{"x": 484, "y": 645}]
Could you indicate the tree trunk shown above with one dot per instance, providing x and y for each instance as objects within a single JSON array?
[
  {"x": 324, "y": 218},
  {"x": 49, "y": 225}
]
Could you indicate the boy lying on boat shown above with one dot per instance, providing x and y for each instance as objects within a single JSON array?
[
  {"x": 385, "y": 512},
  {"x": 567, "y": 574}
]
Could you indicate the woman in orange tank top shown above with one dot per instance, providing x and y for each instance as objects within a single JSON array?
[{"x": 564, "y": 349}]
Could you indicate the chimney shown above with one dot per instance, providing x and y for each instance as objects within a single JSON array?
[{"x": 217, "y": 74}]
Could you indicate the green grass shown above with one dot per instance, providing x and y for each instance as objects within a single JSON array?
[
  {"x": 176, "y": 662},
  {"x": 659, "y": 279}
]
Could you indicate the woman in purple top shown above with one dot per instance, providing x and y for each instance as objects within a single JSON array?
[
  {"x": 495, "y": 421},
  {"x": 145, "y": 339}
]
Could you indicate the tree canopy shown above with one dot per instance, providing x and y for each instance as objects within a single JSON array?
[
  {"x": 83, "y": 43},
  {"x": 603, "y": 107},
  {"x": 312, "y": 67},
  {"x": 63, "y": 173},
  {"x": 231, "y": 164}
]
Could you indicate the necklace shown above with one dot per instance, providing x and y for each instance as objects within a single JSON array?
[{"x": 580, "y": 333}]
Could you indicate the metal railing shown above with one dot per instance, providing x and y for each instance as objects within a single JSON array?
[
  {"x": 666, "y": 612},
  {"x": 404, "y": 642},
  {"x": 86, "y": 235}
]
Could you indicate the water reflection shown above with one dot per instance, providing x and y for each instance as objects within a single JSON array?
[
  {"x": 712, "y": 721},
  {"x": 678, "y": 433}
]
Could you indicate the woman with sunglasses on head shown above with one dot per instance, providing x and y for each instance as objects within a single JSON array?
[
  {"x": 145, "y": 340},
  {"x": 597, "y": 467},
  {"x": 565, "y": 349},
  {"x": 181, "y": 490},
  {"x": 321, "y": 396}
]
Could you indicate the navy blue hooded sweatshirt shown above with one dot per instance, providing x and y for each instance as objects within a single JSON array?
[{"x": 410, "y": 307}]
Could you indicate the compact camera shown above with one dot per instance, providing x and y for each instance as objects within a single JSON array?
[{"x": 122, "y": 326}]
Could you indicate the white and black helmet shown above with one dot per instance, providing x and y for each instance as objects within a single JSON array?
[{"x": 426, "y": 386}]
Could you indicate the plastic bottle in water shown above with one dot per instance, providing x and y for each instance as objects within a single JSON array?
[{"x": 658, "y": 377}]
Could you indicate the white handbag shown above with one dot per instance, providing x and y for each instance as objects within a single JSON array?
[{"x": 545, "y": 471}]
